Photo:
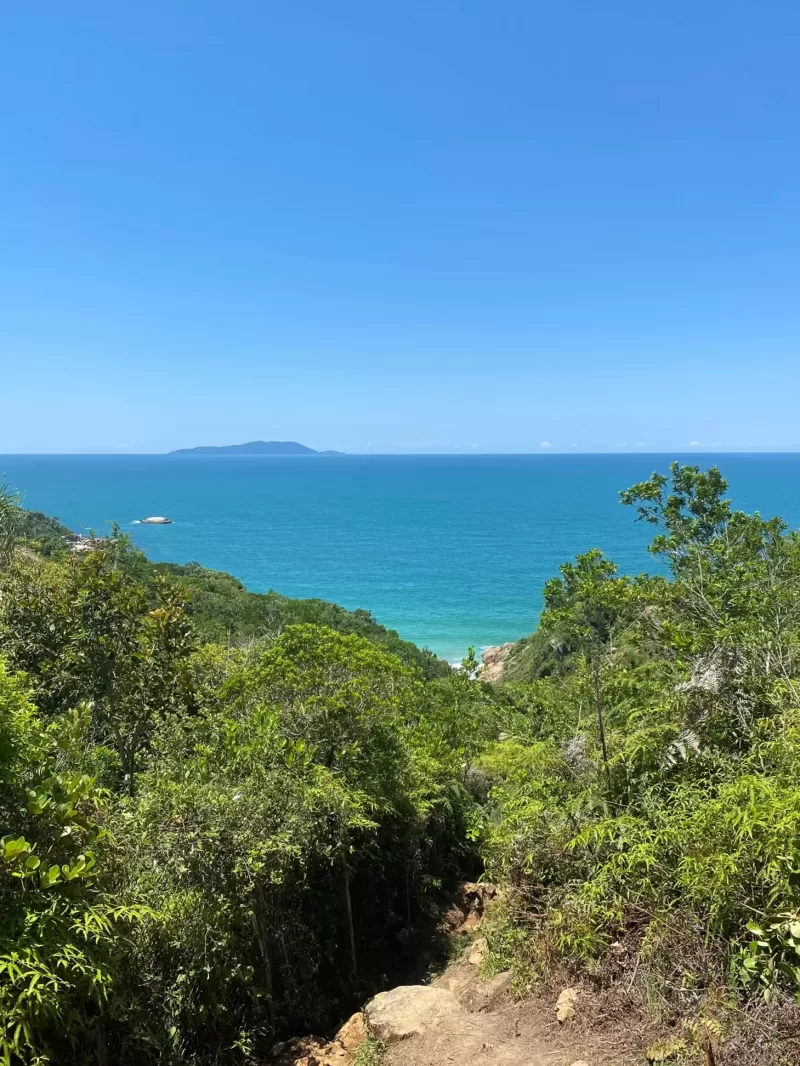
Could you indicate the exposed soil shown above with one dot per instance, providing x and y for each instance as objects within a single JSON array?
[
  {"x": 494, "y": 1030},
  {"x": 471, "y": 1021},
  {"x": 486, "y": 1025}
]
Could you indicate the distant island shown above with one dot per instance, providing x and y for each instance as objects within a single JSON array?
[{"x": 255, "y": 447}]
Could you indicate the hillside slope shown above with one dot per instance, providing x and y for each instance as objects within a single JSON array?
[{"x": 223, "y": 610}]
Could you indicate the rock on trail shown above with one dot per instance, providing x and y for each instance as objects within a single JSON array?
[{"x": 410, "y": 1010}]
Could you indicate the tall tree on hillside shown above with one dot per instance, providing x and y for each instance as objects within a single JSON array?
[
  {"x": 582, "y": 608},
  {"x": 89, "y": 633},
  {"x": 9, "y": 513}
]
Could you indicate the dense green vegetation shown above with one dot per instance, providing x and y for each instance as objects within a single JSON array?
[
  {"x": 37, "y": 532},
  {"x": 645, "y": 813},
  {"x": 225, "y": 816},
  {"x": 223, "y": 610},
  {"x": 205, "y": 844}
]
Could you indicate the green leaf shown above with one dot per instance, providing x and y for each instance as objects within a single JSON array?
[
  {"x": 12, "y": 849},
  {"x": 50, "y": 876}
]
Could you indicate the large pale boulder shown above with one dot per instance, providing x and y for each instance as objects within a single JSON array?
[{"x": 409, "y": 1010}]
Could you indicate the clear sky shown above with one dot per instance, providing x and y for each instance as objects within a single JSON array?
[{"x": 397, "y": 225}]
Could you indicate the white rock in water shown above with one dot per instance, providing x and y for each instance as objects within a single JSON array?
[{"x": 157, "y": 520}]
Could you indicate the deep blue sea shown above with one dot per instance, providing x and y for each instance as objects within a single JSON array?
[{"x": 448, "y": 550}]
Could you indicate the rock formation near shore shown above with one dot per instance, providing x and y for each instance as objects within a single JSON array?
[{"x": 494, "y": 661}]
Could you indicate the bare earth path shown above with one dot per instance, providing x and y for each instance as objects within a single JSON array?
[
  {"x": 460, "y": 1019},
  {"x": 479, "y": 1025}
]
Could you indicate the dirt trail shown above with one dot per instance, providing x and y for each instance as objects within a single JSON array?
[
  {"x": 461, "y": 1019},
  {"x": 491, "y": 1029}
]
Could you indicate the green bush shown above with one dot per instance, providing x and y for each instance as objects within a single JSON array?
[
  {"x": 647, "y": 804},
  {"x": 59, "y": 928}
]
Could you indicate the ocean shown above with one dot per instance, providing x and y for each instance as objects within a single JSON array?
[{"x": 448, "y": 550}]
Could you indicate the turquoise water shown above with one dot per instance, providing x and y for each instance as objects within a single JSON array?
[{"x": 448, "y": 550}]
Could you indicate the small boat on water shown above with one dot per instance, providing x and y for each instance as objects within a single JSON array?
[{"x": 156, "y": 520}]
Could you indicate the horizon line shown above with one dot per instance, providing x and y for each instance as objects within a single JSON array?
[{"x": 463, "y": 454}]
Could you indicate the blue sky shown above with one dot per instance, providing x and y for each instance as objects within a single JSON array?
[{"x": 400, "y": 226}]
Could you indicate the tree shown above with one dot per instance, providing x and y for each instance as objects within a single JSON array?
[
  {"x": 58, "y": 930},
  {"x": 732, "y": 612},
  {"x": 9, "y": 525},
  {"x": 583, "y": 607},
  {"x": 87, "y": 633},
  {"x": 688, "y": 505}
]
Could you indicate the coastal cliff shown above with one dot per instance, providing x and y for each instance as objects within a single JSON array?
[{"x": 494, "y": 662}]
